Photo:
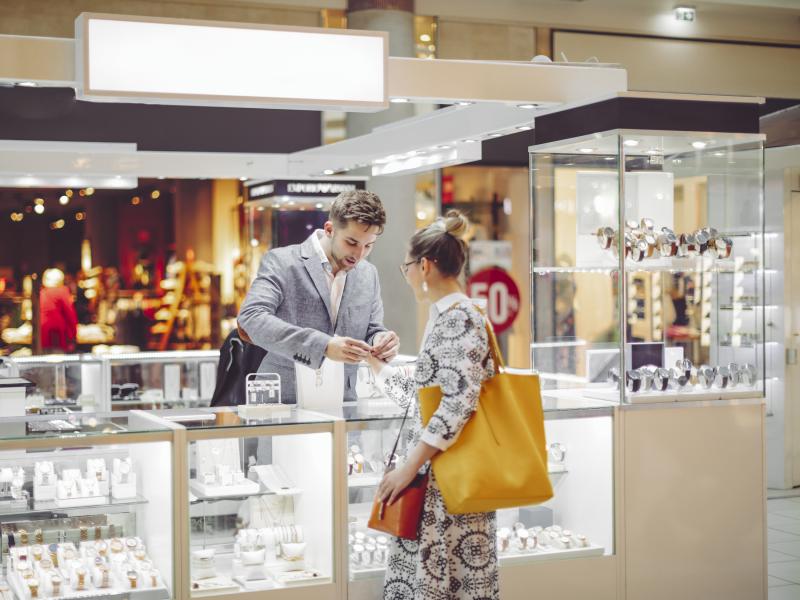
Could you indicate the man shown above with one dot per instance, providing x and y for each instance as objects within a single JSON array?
[{"x": 320, "y": 300}]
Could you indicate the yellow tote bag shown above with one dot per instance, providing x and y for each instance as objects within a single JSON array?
[{"x": 500, "y": 458}]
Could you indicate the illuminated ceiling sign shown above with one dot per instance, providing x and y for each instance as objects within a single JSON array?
[
  {"x": 174, "y": 61},
  {"x": 313, "y": 188}
]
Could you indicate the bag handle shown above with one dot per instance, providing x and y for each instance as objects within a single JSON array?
[{"x": 397, "y": 440}]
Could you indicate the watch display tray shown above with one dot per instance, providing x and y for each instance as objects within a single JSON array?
[
  {"x": 245, "y": 488},
  {"x": 688, "y": 395},
  {"x": 213, "y": 586}
]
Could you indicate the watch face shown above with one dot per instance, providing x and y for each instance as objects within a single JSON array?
[
  {"x": 613, "y": 376},
  {"x": 706, "y": 376},
  {"x": 633, "y": 381},
  {"x": 723, "y": 247},
  {"x": 702, "y": 239},
  {"x": 605, "y": 237},
  {"x": 639, "y": 250},
  {"x": 632, "y": 225},
  {"x": 647, "y": 224}
]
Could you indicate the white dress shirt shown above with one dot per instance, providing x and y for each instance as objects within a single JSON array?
[{"x": 335, "y": 282}]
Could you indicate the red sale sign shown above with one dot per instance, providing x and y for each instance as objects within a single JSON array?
[{"x": 501, "y": 294}]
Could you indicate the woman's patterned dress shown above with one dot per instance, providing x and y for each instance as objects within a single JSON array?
[{"x": 455, "y": 556}]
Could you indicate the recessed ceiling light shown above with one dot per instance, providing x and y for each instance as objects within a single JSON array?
[
  {"x": 586, "y": 150},
  {"x": 319, "y": 205},
  {"x": 399, "y": 100},
  {"x": 494, "y": 135},
  {"x": 63, "y": 200},
  {"x": 653, "y": 151},
  {"x": 464, "y": 103},
  {"x": 469, "y": 141},
  {"x": 719, "y": 154},
  {"x": 527, "y": 105},
  {"x": 328, "y": 172},
  {"x": 608, "y": 158},
  {"x": 242, "y": 178},
  {"x": 698, "y": 145},
  {"x": 524, "y": 128},
  {"x": 28, "y": 84},
  {"x": 442, "y": 147},
  {"x": 425, "y": 37},
  {"x": 631, "y": 143},
  {"x": 38, "y": 209}
]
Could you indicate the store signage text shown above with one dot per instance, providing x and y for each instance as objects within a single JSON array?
[{"x": 501, "y": 294}]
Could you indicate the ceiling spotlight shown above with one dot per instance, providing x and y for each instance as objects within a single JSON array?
[
  {"x": 719, "y": 154},
  {"x": 254, "y": 243},
  {"x": 38, "y": 201},
  {"x": 242, "y": 178},
  {"x": 68, "y": 193},
  {"x": 524, "y": 128},
  {"x": 155, "y": 194},
  {"x": 585, "y": 150},
  {"x": 399, "y": 100},
  {"x": 469, "y": 141},
  {"x": 319, "y": 205},
  {"x": 464, "y": 103},
  {"x": 136, "y": 200},
  {"x": 631, "y": 143},
  {"x": 160, "y": 177},
  {"x": 685, "y": 13},
  {"x": 494, "y": 135},
  {"x": 80, "y": 216},
  {"x": 442, "y": 147},
  {"x": 63, "y": 200},
  {"x": 529, "y": 106},
  {"x": 698, "y": 145},
  {"x": 425, "y": 37},
  {"x": 89, "y": 191},
  {"x": 38, "y": 209},
  {"x": 27, "y": 84},
  {"x": 328, "y": 172}
]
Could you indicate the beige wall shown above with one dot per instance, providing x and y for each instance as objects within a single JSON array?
[
  {"x": 485, "y": 41},
  {"x": 692, "y": 67},
  {"x": 57, "y": 19}
]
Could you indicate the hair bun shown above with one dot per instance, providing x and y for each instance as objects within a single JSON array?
[{"x": 456, "y": 224}]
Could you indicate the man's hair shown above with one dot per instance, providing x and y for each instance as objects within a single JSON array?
[{"x": 358, "y": 205}]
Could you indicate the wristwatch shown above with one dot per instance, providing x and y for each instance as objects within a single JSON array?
[
  {"x": 667, "y": 243},
  {"x": 613, "y": 377},
  {"x": 723, "y": 377},
  {"x": 646, "y": 376},
  {"x": 639, "y": 249},
  {"x": 734, "y": 374},
  {"x": 687, "y": 247},
  {"x": 706, "y": 376},
  {"x": 747, "y": 374},
  {"x": 652, "y": 242},
  {"x": 661, "y": 379},
  {"x": 633, "y": 381},
  {"x": 605, "y": 237},
  {"x": 647, "y": 224},
  {"x": 723, "y": 246},
  {"x": 702, "y": 239}
]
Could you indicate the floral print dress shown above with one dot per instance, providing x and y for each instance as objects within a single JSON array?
[{"x": 455, "y": 556}]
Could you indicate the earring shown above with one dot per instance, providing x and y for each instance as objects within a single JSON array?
[{"x": 425, "y": 286}]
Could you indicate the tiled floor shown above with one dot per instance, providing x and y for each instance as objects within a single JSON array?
[{"x": 783, "y": 539}]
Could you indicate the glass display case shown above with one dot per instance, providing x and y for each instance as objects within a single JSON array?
[
  {"x": 172, "y": 379},
  {"x": 577, "y": 522},
  {"x": 63, "y": 382},
  {"x": 648, "y": 277},
  {"x": 261, "y": 501},
  {"x": 82, "y": 500}
]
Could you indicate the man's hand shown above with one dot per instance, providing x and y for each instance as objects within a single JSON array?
[
  {"x": 386, "y": 344},
  {"x": 347, "y": 350}
]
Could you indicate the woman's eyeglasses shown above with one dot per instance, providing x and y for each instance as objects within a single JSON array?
[{"x": 404, "y": 266}]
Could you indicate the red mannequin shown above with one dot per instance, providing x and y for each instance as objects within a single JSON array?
[{"x": 59, "y": 320}]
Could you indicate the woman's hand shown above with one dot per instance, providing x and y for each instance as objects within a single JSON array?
[{"x": 394, "y": 482}]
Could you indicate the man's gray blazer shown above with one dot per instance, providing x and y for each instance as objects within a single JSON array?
[{"x": 286, "y": 312}]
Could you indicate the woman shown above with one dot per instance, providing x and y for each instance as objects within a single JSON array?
[{"x": 455, "y": 556}]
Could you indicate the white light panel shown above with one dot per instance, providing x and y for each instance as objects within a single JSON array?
[{"x": 169, "y": 61}]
